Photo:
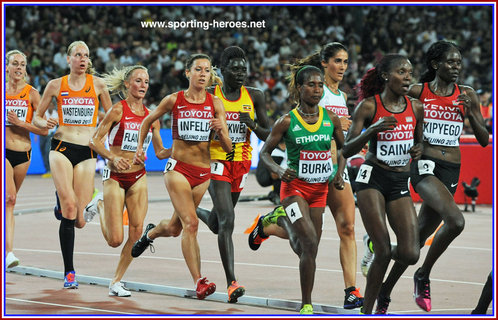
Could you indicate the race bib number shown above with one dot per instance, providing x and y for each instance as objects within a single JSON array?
[
  {"x": 106, "y": 173},
  {"x": 217, "y": 168},
  {"x": 315, "y": 166},
  {"x": 426, "y": 167},
  {"x": 236, "y": 130},
  {"x": 170, "y": 165},
  {"x": 364, "y": 173},
  {"x": 345, "y": 176},
  {"x": 78, "y": 111},
  {"x": 293, "y": 212},
  {"x": 21, "y": 112},
  {"x": 194, "y": 125},
  {"x": 443, "y": 125}
]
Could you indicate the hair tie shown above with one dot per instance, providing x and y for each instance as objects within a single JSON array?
[{"x": 305, "y": 67}]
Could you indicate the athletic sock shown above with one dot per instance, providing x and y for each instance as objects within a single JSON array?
[{"x": 66, "y": 238}]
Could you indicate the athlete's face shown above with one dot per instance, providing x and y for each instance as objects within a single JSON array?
[
  {"x": 138, "y": 83},
  {"x": 16, "y": 69},
  {"x": 449, "y": 67},
  {"x": 199, "y": 73},
  {"x": 400, "y": 77},
  {"x": 78, "y": 59},
  {"x": 311, "y": 90},
  {"x": 336, "y": 66},
  {"x": 235, "y": 73}
]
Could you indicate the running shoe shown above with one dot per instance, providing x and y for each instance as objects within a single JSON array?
[
  {"x": 382, "y": 304},
  {"x": 235, "y": 291},
  {"x": 57, "y": 208},
  {"x": 368, "y": 255},
  {"x": 272, "y": 217},
  {"x": 353, "y": 298},
  {"x": 142, "y": 243},
  {"x": 92, "y": 208},
  {"x": 118, "y": 289},
  {"x": 306, "y": 309},
  {"x": 422, "y": 292},
  {"x": 204, "y": 288},
  {"x": 70, "y": 281},
  {"x": 11, "y": 261},
  {"x": 256, "y": 235}
]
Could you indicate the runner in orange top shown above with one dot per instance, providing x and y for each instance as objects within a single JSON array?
[
  {"x": 72, "y": 162},
  {"x": 21, "y": 100}
]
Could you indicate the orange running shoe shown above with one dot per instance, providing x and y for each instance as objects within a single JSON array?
[
  {"x": 256, "y": 235},
  {"x": 235, "y": 291}
]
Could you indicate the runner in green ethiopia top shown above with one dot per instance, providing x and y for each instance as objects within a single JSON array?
[
  {"x": 308, "y": 147},
  {"x": 308, "y": 131}
]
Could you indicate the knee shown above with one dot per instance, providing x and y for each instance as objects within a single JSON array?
[
  {"x": 134, "y": 233},
  {"x": 346, "y": 230},
  {"x": 191, "y": 224},
  {"x": 309, "y": 246},
  {"x": 10, "y": 200},
  {"x": 410, "y": 257},
  {"x": 456, "y": 226},
  {"x": 383, "y": 252},
  {"x": 226, "y": 224},
  {"x": 115, "y": 241}
]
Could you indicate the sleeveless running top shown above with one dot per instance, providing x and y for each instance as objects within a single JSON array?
[
  {"x": 308, "y": 147},
  {"x": 77, "y": 108},
  {"x": 238, "y": 132},
  {"x": 335, "y": 103},
  {"x": 125, "y": 132},
  {"x": 391, "y": 147},
  {"x": 443, "y": 117},
  {"x": 20, "y": 105},
  {"x": 190, "y": 121}
]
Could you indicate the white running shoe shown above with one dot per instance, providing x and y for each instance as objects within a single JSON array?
[
  {"x": 92, "y": 209},
  {"x": 368, "y": 256},
  {"x": 11, "y": 261},
  {"x": 118, "y": 289}
]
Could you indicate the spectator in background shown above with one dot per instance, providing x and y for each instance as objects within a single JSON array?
[
  {"x": 486, "y": 102},
  {"x": 60, "y": 60}
]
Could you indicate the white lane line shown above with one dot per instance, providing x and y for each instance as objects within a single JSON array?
[
  {"x": 67, "y": 306},
  {"x": 237, "y": 263}
]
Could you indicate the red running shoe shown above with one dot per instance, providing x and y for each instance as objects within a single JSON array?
[{"x": 204, "y": 288}]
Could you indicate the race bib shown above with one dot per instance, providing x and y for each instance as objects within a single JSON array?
[
  {"x": 217, "y": 168},
  {"x": 106, "y": 173},
  {"x": 194, "y": 125},
  {"x": 236, "y": 129},
  {"x": 78, "y": 111},
  {"x": 426, "y": 167},
  {"x": 170, "y": 165},
  {"x": 364, "y": 173},
  {"x": 243, "y": 181},
  {"x": 315, "y": 166},
  {"x": 19, "y": 107},
  {"x": 443, "y": 125}
]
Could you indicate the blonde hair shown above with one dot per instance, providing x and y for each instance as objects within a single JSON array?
[
  {"x": 115, "y": 80},
  {"x": 214, "y": 79},
  {"x": 7, "y": 61},
  {"x": 89, "y": 69}
]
